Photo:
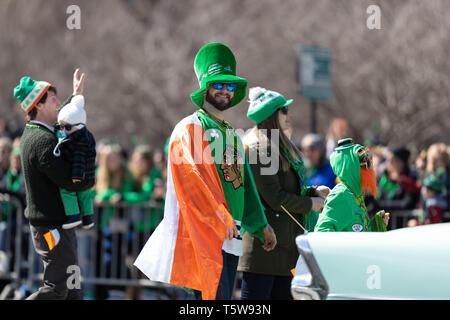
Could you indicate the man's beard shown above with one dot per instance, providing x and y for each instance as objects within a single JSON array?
[
  {"x": 368, "y": 182},
  {"x": 220, "y": 102}
]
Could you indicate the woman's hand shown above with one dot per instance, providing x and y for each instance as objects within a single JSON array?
[
  {"x": 115, "y": 199},
  {"x": 270, "y": 240},
  {"x": 317, "y": 203},
  {"x": 322, "y": 191}
]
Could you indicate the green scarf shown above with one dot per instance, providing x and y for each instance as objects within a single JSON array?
[
  {"x": 311, "y": 218},
  {"x": 226, "y": 128},
  {"x": 243, "y": 201},
  {"x": 298, "y": 166}
]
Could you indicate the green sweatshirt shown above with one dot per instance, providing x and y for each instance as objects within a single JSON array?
[
  {"x": 344, "y": 208},
  {"x": 131, "y": 195}
]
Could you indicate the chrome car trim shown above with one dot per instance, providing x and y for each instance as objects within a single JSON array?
[
  {"x": 364, "y": 297},
  {"x": 310, "y": 293},
  {"x": 318, "y": 280}
]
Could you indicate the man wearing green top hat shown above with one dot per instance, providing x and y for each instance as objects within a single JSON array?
[
  {"x": 220, "y": 89},
  {"x": 211, "y": 200},
  {"x": 44, "y": 174},
  {"x": 344, "y": 208}
]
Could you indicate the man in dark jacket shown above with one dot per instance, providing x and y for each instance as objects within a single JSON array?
[{"x": 44, "y": 174}]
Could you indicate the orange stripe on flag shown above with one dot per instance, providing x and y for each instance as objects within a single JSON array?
[
  {"x": 203, "y": 213},
  {"x": 50, "y": 240}
]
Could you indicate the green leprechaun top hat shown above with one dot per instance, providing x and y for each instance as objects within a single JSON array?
[
  {"x": 29, "y": 92},
  {"x": 263, "y": 103},
  {"x": 216, "y": 63}
]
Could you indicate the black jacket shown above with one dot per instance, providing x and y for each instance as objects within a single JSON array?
[{"x": 79, "y": 149}]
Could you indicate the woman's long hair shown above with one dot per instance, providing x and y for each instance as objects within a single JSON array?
[
  {"x": 140, "y": 152},
  {"x": 273, "y": 123},
  {"x": 107, "y": 179}
]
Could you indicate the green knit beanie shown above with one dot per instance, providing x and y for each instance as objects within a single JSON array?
[
  {"x": 29, "y": 92},
  {"x": 434, "y": 183},
  {"x": 263, "y": 103},
  {"x": 216, "y": 63}
]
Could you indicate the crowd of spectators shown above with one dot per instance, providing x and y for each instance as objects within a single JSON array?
[
  {"x": 136, "y": 177},
  {"x": 419, "y": 184},
  {"x": 133, "y": 178}
]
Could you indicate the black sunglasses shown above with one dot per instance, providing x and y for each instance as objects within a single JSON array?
[
  {"x": 284, "y": 110},
  {"x": 68, "y": 127}
]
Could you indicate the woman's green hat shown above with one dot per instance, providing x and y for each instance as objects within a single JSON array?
[
  {"x": 263, "y": 103},
  {"x": 29, "y": 92},
  {"x": 216, "y": 63},
  {"x": 434, "y": 183}
]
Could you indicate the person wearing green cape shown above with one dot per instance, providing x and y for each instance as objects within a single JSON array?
[
  {"x": 344, "y": 208},
  {"x": 278, "y": 169}
]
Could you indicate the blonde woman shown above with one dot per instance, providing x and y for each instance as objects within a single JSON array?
[
  {"x": 110, "y": 179},
  {"x": 138, "y": 184}
]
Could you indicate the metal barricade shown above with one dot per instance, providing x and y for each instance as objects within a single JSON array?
[
  {"x": 399, "y": 218},
  {"x": 12, "y": 237},
  {"x": 106, "y": 252}
]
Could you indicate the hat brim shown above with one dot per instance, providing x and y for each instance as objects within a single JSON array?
[
  {"x": 198, "y": 97},
  {"x": 260, "y": 114},
  {"x": 288, "y": 102}
]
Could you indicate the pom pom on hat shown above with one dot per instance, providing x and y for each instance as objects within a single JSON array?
[
  {"x": 255, "y": 92},
  {"x": 74, "y": 112}
]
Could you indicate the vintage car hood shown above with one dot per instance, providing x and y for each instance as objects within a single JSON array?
[{"x": 408, "y": 263}]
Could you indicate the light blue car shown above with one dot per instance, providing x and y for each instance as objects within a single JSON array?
[{"x": 408, "y": 263}]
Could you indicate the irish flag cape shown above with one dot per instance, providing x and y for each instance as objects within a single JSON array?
[{"x": 186, "y": 247}]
